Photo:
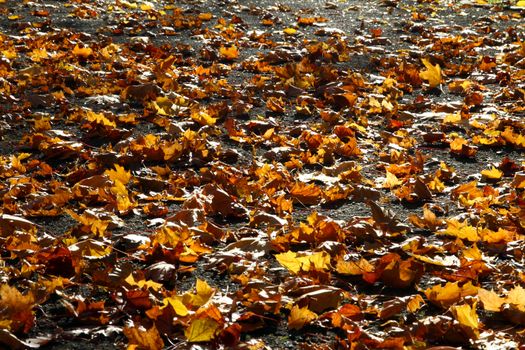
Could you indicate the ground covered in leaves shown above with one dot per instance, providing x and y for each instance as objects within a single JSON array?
[{"x": 259, "y": 175}]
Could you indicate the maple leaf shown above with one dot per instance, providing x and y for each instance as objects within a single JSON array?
[
  {"x": 142, "y": 283},
  {"x": 119, "y": 174},
  {"x": 490, "y": 300},
  {"x": 144, "y": 338},
  {"x": 461, "y": 230},
  {"x": 449, "y": 294},
  {"x": 177, "y": 305},
  {"x": 203, "y": 293},
  {"x": 468, "y": 319},
  {"x": 202, "y": 330},
  {"x": 229, "y": 53},
  {"x": 304, "y": 262},
  {"x": 83, "y": 52},
  {"x": 492, "y": 174},
  {"x": 432, "y": 74},
  {"x": 299, "y": 317},
  {"x": 90, "y": 248},
  {"x": 16, "y": 309}
]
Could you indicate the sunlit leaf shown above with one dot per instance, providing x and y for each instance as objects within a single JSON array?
[
  {"x": 201, "y": 330},
  {"x": 432, "y": 74},
  {"x": 450, "y": 293},
  {"x": 300, "y": 316}
]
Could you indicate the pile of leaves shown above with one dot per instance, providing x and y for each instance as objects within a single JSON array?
[{"x": 253, "y": 177}]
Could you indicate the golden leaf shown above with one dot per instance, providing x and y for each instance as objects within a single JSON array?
[
  {"x": 450, "y": 293},
  {"x": 201, "y": 330},
  {"x": 202, "y": 117},
  {"x": 353, "y": 267},
  {"x": 203, "y": 293},
  {"x": 492, "y": 174},
  {"x": 90, "y": 248},
  {"x": 142, "y": 283},
  {"x": 468, "y": 318},
  {"x": 177, "y": 305},
  {"x": 290, "y": 31},
  {"x": 16, "y": 309},
  {"x": 119, "y": 174},
  {"x": 490, "y": 300},
  {"x": 432, "y": 74},
  {"x": 83, "y": 52},
  {"x": 300, "y": 316},
  {"x": 295, "y": 262},
  {"x": 516, "y": 296},
  {"x": 290, "y": 261},
  {"x": 229, "y": 53},
  {"x": 205, "y": 16},
  {"x": 460, "y": 230},
  {"x": 144, "y": 338},
  {"x": 391, "y": 181}
]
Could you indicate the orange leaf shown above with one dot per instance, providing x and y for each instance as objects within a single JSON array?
[
  {"x": 83, "y": 52},
  {"x": 229, "y": 53}
]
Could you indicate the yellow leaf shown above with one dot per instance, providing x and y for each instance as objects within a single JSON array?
[
  {"x": 99, "y": 118},
  {"x": 10, "y": 54},
  {"x": 42, "y": 124},
  {"x": 201, "y": 330},
  {"x": 119, "y": 174},
  {"x": 202, "y": 117},
  {"x": 452, "y": 118},
  {"x": 203, "y": 293},
  {"x": 90, "y": 248},
  {"x": 229, "y": 53},
  {"x": 300, "y": 316},
  {"x": 320, "y": 261},
  {"x": 295, "y": 262},
  {"x": 353, "y": 267},
  {"x": 289, "y": 260},
  {"x": 516, "y": 296},
  {"x": 16, "y": 309},
  {"x": 490, "y": 300},
  {"x": 450, "y": 293},
  {"x": 391, "y": 181},
  {"x": 38, "y": 54},
  {"x": 492, "y": 174},
  {"x": 521, "y": 3},
  {"x": 177, "y": 305},
  {"x": 142, "y": 283},
  {"x": 468, "y": 318},
  {"x": 123, "y": 202},
  {"x": 290, "y": 31},
  {"x": 146, "y": 6},
  {"x": 460, "y": 230},
  {"x": 83, "y": 52},
  {"x": 432, "y": 74},
  {"x": 472, "y": 253}
]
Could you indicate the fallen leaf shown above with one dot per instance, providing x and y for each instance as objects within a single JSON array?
[{"x": 299, "y": 317}]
